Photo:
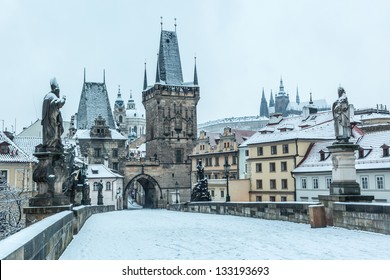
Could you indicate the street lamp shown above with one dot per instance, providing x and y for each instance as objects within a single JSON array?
[
  {"x": 227, "y": 169},
  {"x": 176, "y": 187}
]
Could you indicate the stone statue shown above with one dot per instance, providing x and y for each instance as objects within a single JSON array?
[
  {"x": 341, "y": 117},
  {"x": 52, "y": 128},
  {"x": 200, "y": 169}
]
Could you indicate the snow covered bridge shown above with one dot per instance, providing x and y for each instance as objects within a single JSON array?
[{"x": 168, "y": 235}]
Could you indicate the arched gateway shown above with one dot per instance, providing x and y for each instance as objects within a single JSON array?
[{"x": 144, "y": 190}]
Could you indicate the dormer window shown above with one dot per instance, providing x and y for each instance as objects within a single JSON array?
[
  {"x": 361, "y": 152},
  {"x": 4, "y": 148},
  {"x": 322, "y": 155},
  {"x": 385, "y": 150}
]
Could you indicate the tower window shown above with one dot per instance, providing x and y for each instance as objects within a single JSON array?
[{"x": 179, "y": 155}]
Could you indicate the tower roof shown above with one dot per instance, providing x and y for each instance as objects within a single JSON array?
[
  {"x": 169, "y": 59},
  {"x": 94, "y": 101}
]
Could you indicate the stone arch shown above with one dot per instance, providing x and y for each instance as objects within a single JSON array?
[{"x": 152, "y": 192}]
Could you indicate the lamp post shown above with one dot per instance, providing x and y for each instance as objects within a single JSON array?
[
  {"x": 227, "y": 169},
  {"x": 176, "y": 187}
]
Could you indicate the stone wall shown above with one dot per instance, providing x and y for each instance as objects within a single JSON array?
[
  {"x": 48, "y": 238},
  {"x": 372, "y": 217},
  {"x": 282, "y": 211}
]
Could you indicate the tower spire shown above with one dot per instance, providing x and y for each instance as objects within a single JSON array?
[
  {"x": 158, "y": 71},
  {"x": 104, "y": 76},
  {"x": 119, "y": 90},
  {"x": 297, "y": 99},
  {"x": 161, "y": 22},
  {"x": 281, "y": 87},
  {"x": 263, "y": 106},
  {"x": 195, "y": 74},
  {"x": 145, "y": 78},
  {"x": 271, "y": 100},
  {"x": 175, "y": 25},
  {"x": 84, "y": 75},
  {"x": 311, "y": 99}
]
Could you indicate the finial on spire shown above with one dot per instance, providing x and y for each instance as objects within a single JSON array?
[
  {"x": 104, "y": 76},
  {"x": 161, "y": 22},
  {"x": 311, "y": 99},
  {"x": 131, "y": 94},
  {"x": 145, "y": 78},
  {"x": 158, "y": 70},
  {"x": 84, "y": 74},
  {"x": 175, "y": 24},
  {"x": 119, "y": 90},
  {"x": 195, "y": 73}
]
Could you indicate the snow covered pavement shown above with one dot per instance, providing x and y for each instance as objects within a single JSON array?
[{"x": 168, "y": 235}]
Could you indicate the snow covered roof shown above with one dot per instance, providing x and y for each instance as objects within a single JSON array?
[
  {"x": 97, "y": 171},
  {"x": 28, "y": 144},
  {"x": 317, "y": 126},
  {"x": 94, "y": 101},
  {"x": 12, "y": 153},
  {"x": 372, "y": 151},
  {"x": 35, "y": 129},
  {"x": 85, "y": 134}
]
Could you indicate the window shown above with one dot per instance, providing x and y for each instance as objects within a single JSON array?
[
  {"x": 272, "y": 198},
  {"x": 222, "y": 193},
  {"x": 284, "y": 184},
  {"x": 272, "y": 184},
  {"x": 215, "y": 176},
  {"x": 115, "y": 166},
  {"x": 258, "y": 167},
  {"x": 322, "y": 155},
  {"x": 259, "y": 151},
  {"x": 115, "y": 153},
  {"x": 274, "y": 150},
  {"x": 259, "y": 184},
  {"x": 272, "y": 167},
  {"x": 108, "y": 186},
  {"x": 328, "y": 181},
  {"x": 283, "y": 166},
  {"x": 97, "y": 152},
  {"x": 304, "y": 183},
  {"x": 95, "y": 186},
  {"x": 285, "y": 148},
  {"x": 4, "y": 148},
  {"x": 258, "y": 198},
  {"x": 216, "y": 161},
  {"x": 361, "y": 152},
  {"x": 209, "y": 161},
  {"x": 380, "y": 182},
  {"x": 247, "y": 153},
  {"x": 212, "y": 193},
  {"x": 315, "y": 183},
  {"x": 179, "y": 155},
  {"x": 284, "y": 198},
  {"x": 364, "y": 182},
  {"x": 3, "y": 177},
  {"x": 234, "y": 160},
  {"x": 385, "y": 150}
]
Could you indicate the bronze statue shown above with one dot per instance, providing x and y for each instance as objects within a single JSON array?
[
  {"x": 341, "y": 117},
  {"x": 52, "y": 127}
]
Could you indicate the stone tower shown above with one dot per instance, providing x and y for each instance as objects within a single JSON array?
[
  {"x": 263, "y": 106},
  {"x": 281, "y": 100},
  {"x": 170, "y": 106}
]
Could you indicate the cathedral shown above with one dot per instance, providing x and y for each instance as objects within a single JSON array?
[{"x": 282, "y": 104}]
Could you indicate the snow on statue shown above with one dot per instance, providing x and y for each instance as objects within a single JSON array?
[{"x": 341, "y": 116}]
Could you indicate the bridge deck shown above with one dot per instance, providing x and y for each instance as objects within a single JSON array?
[{"x": 168, "y": 235}]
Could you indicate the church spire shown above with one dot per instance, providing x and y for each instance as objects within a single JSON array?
[
  {"x": 271, "y": 100},
  {"x": 195, "y": 74},
  {"x": 311, "y": 99},
  {"x": 297, "y": 99},
  {"x": 145, "y": 78},
  {"x": 281, "y": 87},
  {"x": 158, "y": 71},
  {"x": 263, "y": 106}
]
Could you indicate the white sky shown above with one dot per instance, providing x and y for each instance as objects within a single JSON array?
[{"x": 241, "y": 47}]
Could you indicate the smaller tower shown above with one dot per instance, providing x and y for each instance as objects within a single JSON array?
[
  {"x": 297, "y": 99},
  {"x": 263, "y": 106},
  {"x": 119, "y": 111},
  {"x": 145, "y": 79}
]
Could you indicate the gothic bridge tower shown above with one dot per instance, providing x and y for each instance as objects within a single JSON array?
[{"x": 171, "y": 123}]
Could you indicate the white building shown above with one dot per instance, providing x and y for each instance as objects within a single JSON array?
[
  {"x": 112, "y": 185},
  {"x": 314, "y": 174}
]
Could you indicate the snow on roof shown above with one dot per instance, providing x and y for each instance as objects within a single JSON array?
[
  {"x": 372, "y": 155},
  {"x": 320, "y": 126},
  {"x": 97, "y": 171},
  {"x": 15, "y": 154},
  {"x": 28, "y": 144},
  {"x": 85, "y": 134}
]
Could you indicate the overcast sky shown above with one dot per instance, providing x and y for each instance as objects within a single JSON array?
[{"x": 241, "y": 47}]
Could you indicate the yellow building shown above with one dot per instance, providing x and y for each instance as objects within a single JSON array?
[
  {"x": 215, "y": 150},
  {"x": 277, "y": 149}
]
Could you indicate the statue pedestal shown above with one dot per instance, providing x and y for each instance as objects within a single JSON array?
[{"x": 344, "y": 171}]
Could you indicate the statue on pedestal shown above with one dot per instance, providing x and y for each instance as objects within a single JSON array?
[
  {"x": 341, "y": 117},
  {"x": 200, "y": 191}
]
